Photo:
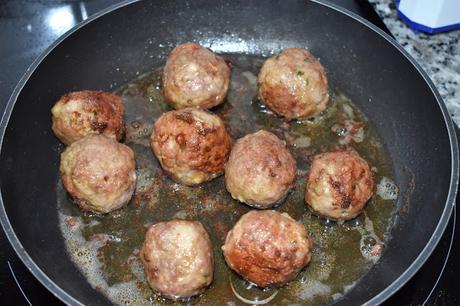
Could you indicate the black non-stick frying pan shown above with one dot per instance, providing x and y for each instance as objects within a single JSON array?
[{"x": 387, "y": 85}]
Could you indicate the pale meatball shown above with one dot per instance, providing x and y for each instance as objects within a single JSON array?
[
  {"x": 192, "y": 145},
  {"x": 339, "y": 184},
  {"x": 260, "y": 170},
  {"x": 82, "y": 113},
  {"x": 177, "y": 257},
  {"x": 293, "y": 84},
  {"x": 195, "y": 77},
  {"x": 99, "y": 173},
  {"x": 267, "y": 248}
]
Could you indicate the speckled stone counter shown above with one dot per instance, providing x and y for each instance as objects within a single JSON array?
[{"x": 438, "y": 54}]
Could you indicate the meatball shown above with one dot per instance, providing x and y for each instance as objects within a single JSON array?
[
  {"x": 99, "y": 173},
  {"x": 191, "y": 144},
  {"x": 339, "y": 184},
  {"x": 177, "y": 257},
  {"x": 260, "y": 170},
  {"x": 81, "y": 113},
  {"x": 293, "y": 84},
  {"x": 267, "y": 248},
  {"x": 195, "y": 77}
]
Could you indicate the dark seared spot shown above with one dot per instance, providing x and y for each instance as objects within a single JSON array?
[
  {"x": 180, "y": 139},
  {"x": 162, "y": 138},
  {"x": 346, "y": 201},
  {"x": 98, "y": 126},
  {"x": 106, "y": 178},
  {"x": 335, "y": 185},
  {"x": 277, "y": 162},
  {"x": 186, "y": 117}
]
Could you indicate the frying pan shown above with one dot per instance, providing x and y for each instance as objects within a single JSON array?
[{"x": 130, "y": 38}]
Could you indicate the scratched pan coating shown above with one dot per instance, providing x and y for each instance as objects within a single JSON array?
[{"x": 106, "y": 248}]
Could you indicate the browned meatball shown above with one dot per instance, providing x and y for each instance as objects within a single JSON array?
[
  {"x": 177, "y": 257},
  {"x": 99, "y": 173},
  {"x": 267, "y": 248},
  {"x": 81, "y": 113},
  {"x": 293, "y": 84},
  {"x": 260, "y": 170},
  {"x": 192, "y": 145},
  {"x": 195, "y": 77},
  {"x": 339, "y": 185}
]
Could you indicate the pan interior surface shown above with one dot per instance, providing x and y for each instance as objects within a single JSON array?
[
  {"x": 115, "y": 48},
  {"x": 106, "y": 248}
]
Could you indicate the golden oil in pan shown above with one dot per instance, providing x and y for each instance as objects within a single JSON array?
[{"x": 106, "y": 248}]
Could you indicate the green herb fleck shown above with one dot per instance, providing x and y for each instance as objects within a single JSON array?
[
  {"x": 306, "y": 81},
  {"x": 300, "y": 73}
]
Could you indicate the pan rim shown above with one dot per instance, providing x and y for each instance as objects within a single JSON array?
[{"x": 379, "y": 298}]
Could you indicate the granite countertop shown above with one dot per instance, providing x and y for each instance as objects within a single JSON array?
[{"x": 438, "y": 54}]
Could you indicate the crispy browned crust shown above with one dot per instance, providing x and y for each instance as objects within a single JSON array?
[
  {"x": 81, "y": 113},
  {"x": 185, "y": 144},
  {"x": 195, "y": 77},
  {"x": 267, "y": 248},
  {"x": 349, "y": 180},
  {"x": 166, "y": 261},
  {"x": 293, "y": 84},
  {"x": 260, "y": 170}
]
